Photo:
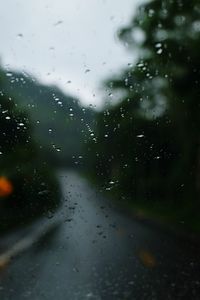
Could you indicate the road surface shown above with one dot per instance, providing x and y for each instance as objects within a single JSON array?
[{"x": 96, "y": 252}]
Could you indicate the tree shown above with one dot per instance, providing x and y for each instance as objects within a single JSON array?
[
  {"x": 28, "y": 188},
  {"x": 153, "y": 133}
]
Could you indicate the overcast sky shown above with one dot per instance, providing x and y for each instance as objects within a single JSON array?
[{"x": 70, "y": 43}]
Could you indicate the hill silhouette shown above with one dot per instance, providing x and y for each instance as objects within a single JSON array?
[{"x": 60, "y": 122}]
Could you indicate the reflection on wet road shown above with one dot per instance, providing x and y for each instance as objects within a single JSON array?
[{"x": 98, "y": 253}]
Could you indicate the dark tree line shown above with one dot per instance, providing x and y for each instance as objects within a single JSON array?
[
  {"x": 28, "y": 186},
  {"x": 148, "y": 145}
]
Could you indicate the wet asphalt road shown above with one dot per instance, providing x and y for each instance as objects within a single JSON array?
[{"x": 96, "y": 252}]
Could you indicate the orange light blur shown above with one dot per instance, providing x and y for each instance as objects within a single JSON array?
[{"x": 6, "y": 187}]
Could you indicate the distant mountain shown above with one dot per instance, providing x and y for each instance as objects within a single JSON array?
[{"x": 61, "y": 124}]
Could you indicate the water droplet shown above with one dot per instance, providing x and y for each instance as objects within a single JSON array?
[
  {"x": 20, "y": 35},
  {"x": 140, "y": 135},
  {"x": 159, "y": 51},
  {"x": 158, "y": 45},
  {"x": 108, "y": 189},
  {"x": 126, "y": 81},
  {"x": 58, "y": 23},
  {"x": 75, "y": 269},
  {"x": 140, "y": 65},
  {"x": 8, "y": 74}
]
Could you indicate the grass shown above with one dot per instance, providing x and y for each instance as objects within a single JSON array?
[
  {"x": 183, "y": 215},
  {"x": 178, "y": 217}
]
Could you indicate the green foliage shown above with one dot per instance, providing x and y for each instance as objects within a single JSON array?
[
  {"x": 35, "y": 187},
  {"x": 148, "y": 144},
  {"x": 58, "y": 120}
]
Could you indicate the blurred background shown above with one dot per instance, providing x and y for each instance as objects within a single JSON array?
[{"x": 108, "y": 91}]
